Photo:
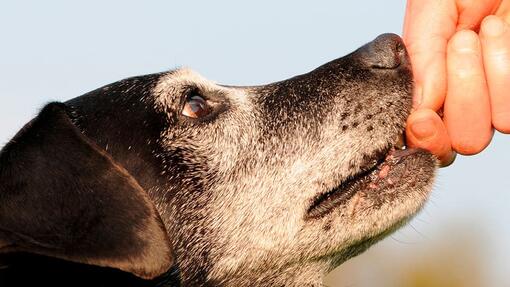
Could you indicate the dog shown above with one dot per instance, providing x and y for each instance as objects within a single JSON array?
[{"x": 169, "y": 179}]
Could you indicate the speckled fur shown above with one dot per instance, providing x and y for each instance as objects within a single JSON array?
[
  {"x": 261, "y": 163},
  {"x": 233, "y": 190}
]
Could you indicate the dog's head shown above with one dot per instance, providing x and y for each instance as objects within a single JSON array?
[{"x": 232, "y": 185}]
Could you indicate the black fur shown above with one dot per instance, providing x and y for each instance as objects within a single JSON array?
[{"x": 64, "y": 197}]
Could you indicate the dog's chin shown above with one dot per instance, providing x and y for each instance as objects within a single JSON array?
[
  {"x": 377, "y": 200},
  {"x": 394, "y": 172},
  {"x": 373, "y": 203}
]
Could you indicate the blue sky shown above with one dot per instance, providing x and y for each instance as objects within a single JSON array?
[{"x": 57, "y": 50}]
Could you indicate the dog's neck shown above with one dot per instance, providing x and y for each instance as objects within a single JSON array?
[
  {"x": 299, "y": 275},
  {"x": 305, "y": 275}
]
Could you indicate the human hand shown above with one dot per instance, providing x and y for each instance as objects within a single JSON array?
[{"x": 465, "y": 73}]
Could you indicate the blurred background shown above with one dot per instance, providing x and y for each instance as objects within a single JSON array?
[{"x": 57, "y": 50}]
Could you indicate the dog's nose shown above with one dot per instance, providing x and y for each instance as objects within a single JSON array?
[{"x": 386, "y": 52}]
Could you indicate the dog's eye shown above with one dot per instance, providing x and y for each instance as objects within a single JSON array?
[{"x": 196, "y": 107}]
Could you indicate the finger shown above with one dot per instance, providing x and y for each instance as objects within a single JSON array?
[
  {"x": 504, "y": 11},
  {"x": 426, "y": 130},
  {"x": 427, "y": 27},
  {"x": 467, "y": 113},
  {"x": 472, "y": 12},
  {"x": 495, "y": 37}
]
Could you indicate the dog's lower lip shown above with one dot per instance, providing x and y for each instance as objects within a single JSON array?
[{"x": 326, "y": 202}]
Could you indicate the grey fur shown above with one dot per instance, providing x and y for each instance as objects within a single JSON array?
[{"x": 235, "y": 190}]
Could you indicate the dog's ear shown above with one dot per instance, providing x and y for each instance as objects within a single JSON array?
[{"x": 62, "y": 196}]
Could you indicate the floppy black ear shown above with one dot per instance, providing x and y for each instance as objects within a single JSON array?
[{"x": 64, "y": 197}]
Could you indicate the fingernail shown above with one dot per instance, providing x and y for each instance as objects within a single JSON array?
[
  {"x": 423, "y": 129},
  {"x": 449, "y": 160},
  {"x": 465, "y": 41},
  {"x": 493, "y": 26},
  {"x": 417, "y": 96}
]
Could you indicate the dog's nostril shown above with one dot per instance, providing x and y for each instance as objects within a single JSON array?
[{"x": 385, "y": 52}]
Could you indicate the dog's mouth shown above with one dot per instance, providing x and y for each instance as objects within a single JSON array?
[{"x": 384, "y": 170}]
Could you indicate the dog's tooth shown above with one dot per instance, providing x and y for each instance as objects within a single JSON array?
[
  {"x": 404, "y": 140},
  {"x": 400, "y": 141}
]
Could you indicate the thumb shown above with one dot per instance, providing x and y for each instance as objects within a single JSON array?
[
  {"x": 428, "y": 26},
  {"x": 426, "y": 130}
]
